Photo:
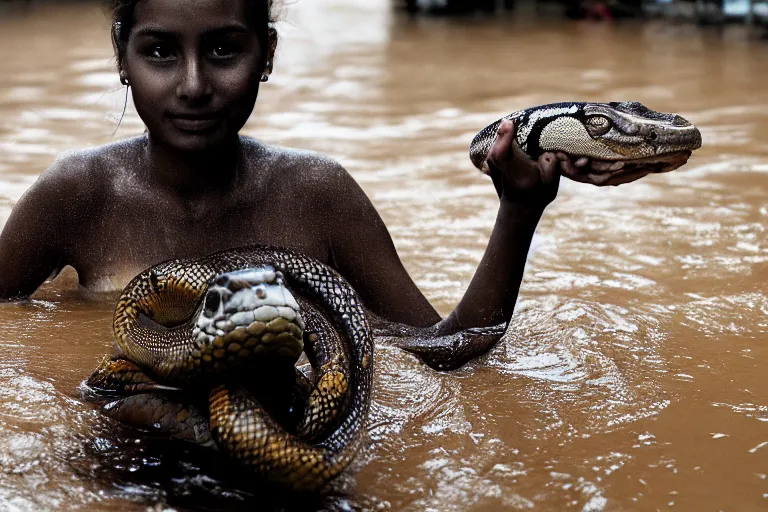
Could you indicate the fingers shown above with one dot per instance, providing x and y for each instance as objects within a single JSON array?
[
  {"x": 597, "y": 172},
  {"x": 585, "y": 163},
  {"x": 505, "y": 152},
  {"x": 504, "y": 140},
  {"x": 581, "y": 173},
  {"x": 506, "y": 127},
  {"x": 549, "y": 169},
  {"x": 621, "y": 177},
  {"x": 605, "y": 179},
  {"x": 570, "y": 170},
  {"x": 515, "y": 174},
  {"x": 603, "y": 166},
  {"x": 596, "y": 179},
  {"x": 574, "y": 169}
]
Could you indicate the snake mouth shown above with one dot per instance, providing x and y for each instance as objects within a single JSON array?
[{"x": 248, "y": 316}]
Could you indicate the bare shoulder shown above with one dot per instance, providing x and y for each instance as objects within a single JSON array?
[
  {"x": 84, "y": 175},
  {"x": 44, "y": 228},
  {"x": 309, "y": 172}
]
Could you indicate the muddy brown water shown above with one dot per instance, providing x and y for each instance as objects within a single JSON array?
[{"x": 633, "y": 374}]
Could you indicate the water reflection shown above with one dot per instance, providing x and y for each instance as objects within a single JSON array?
[{"x": 631, "y": 376}]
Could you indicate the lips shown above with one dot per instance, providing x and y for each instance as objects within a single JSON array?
[{"x": 195, "y": 122}]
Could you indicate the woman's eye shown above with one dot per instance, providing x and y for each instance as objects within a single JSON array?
[
  {"x": 224, "y": 51},
  {"x": 160, "y": 52}
]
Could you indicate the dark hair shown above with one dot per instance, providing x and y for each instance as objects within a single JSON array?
[{"x": 260, "y": 13}]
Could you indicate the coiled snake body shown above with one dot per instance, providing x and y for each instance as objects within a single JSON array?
[{"x": 213, "y": 322}]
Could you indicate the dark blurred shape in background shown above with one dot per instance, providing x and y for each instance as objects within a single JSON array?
[
  {"x": 458, "y": 6},
  {"x": 703, "y": 12},
  {"x": 700, "y": 11}
]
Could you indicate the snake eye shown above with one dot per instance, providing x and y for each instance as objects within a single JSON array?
[{"x": 598, "y": 125}]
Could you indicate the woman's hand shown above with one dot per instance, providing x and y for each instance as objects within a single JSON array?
[
  {"x": 596, "y": 172},
  {"x": 519, "y": 178},
  {"x": 516, "y": 177}
]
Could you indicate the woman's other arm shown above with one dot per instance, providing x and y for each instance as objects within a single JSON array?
[{"x": 34, "y": 240}]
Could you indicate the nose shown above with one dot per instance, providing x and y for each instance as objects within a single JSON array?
[{"x": 193, "y": 84}]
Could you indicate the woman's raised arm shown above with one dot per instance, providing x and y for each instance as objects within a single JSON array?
[{"x": 363, "y": 252}]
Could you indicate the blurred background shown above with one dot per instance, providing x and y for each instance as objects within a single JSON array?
[
  {"x": 699, "y": 11},
  {"x": 632, "y": 376}
]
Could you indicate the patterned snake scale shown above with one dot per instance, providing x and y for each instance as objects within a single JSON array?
[{"x": 159, "y": 337}]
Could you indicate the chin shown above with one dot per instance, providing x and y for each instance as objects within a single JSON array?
[{"x": 195, "y": 142}]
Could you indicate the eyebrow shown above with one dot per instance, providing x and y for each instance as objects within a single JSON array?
[{"x": 153, "y": 31}]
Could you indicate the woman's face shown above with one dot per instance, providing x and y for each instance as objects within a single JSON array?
[{"x": 194, "y": 67}]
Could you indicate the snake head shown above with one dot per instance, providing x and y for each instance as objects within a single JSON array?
[
  {"x": 178, "y": 321},
  {"x": 618, "y": 135},
  {"x": 627, "y": 134},
  {"x": 247, "y": 314}
]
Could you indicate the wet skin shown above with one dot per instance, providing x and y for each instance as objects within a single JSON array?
[{"x": 192, "y": 186}]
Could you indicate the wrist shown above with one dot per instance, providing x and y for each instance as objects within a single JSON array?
[
  {"x": 515, "y": 216},
  {"x": 524, "y": 202}
]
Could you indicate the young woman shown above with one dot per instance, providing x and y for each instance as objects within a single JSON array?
[{"x": 191, "y": 185}]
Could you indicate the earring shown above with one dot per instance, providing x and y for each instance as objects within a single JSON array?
[
  {"x": 272, "y": 39},
  {"x": 267, "y": 69},
  {"x": 124, "y": 78}
]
